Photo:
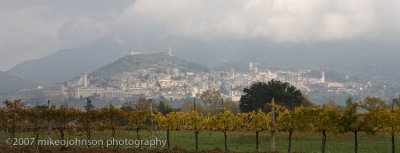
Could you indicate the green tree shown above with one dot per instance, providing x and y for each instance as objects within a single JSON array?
[
  {"x": 231, "y": 106},
  {"x": 212, "y": 100},
  {"x": 146, "y": 104},
  {"x": 349, "y": 101},
  {"x": 371, "y": 103},
  {"x": 190, "y": 106},
  {"x": 165, "y": 107},
  {"x": 259, "y": 94},
  {"x": 129, "y": 106}
]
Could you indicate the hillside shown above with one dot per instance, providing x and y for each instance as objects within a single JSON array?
[
  {"x": 160, "y": 62},
  {"x": 10, "y": 83},
  {"x": 65, "y": 64}
]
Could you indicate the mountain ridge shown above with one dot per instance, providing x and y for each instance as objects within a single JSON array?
[{"x": 65, "y": 64}]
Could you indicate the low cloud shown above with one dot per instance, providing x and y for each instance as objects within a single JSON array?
[
  {"x": 36, "y": 28},
  {"x": 278, "y": 20}
]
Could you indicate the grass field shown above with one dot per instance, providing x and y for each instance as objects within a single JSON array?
[{"x": 245, "y": 141}]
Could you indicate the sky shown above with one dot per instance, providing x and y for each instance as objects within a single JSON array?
[{"x": 30, "y": 29}]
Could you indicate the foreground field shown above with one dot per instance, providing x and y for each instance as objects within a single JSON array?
[
  {"x": 237, "y": 141},
  {"x": 32, "y": 149}
]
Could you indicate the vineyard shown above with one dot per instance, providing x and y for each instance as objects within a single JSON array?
[{"x": 322, "y": 127}]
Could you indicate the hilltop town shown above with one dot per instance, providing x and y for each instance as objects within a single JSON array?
[
  {"x": 164, "y": 76},
  {"x": 175, "y": 83}
]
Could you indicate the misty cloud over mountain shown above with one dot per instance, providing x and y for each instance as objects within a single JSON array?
[{"x": 359, "y": 36}]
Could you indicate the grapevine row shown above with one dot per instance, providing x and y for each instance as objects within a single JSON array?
[{"x": 15, "y": 117}]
